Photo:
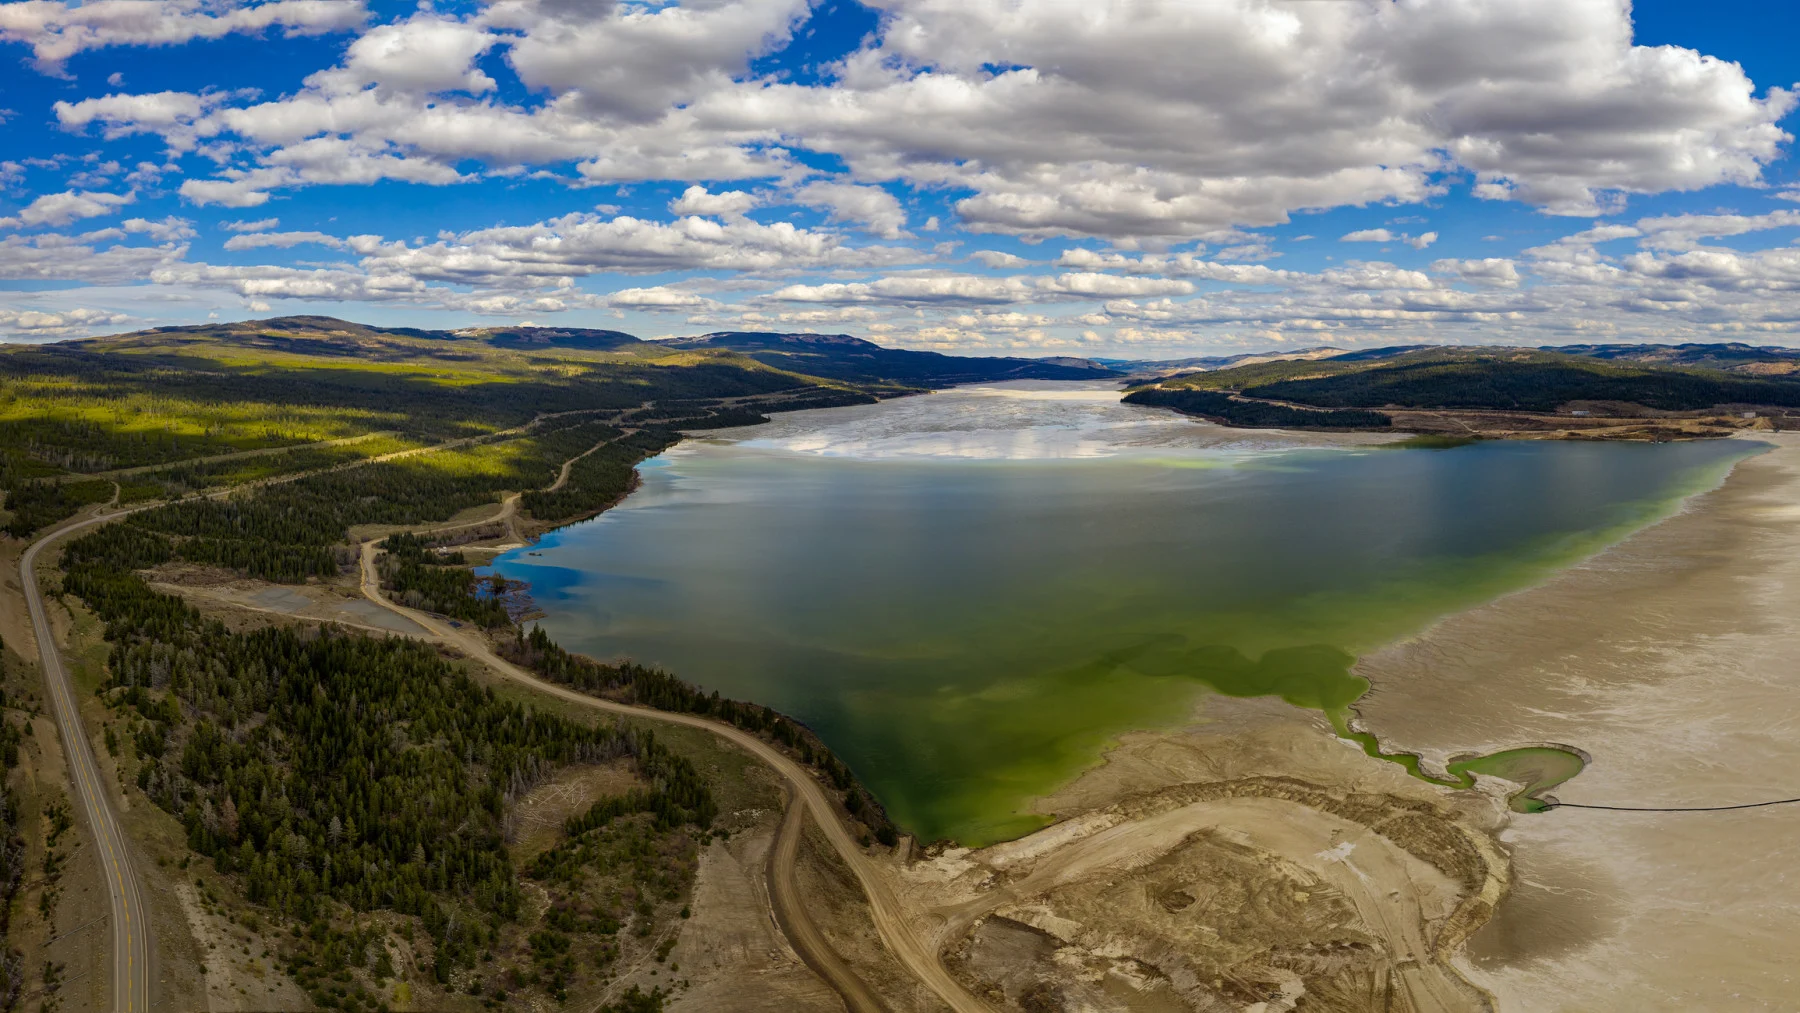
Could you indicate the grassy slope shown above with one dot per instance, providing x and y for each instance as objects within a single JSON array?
[{"x": 180, "y": 394}]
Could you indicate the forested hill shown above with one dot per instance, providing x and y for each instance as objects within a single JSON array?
[
  {"x": 1731, "y": 357},
  {"x": 830, "y": 356},
  {"x": 1516, "y": 379},
  {"x": 170, "y": 411},
  {"x": 843, "y": 357},
  {"x": 351, "y": 338}
]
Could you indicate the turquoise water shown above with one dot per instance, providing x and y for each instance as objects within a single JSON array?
[{"x": 970, "y": 594}]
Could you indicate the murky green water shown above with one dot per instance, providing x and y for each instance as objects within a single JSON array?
[{"x": 969, "y": 594}]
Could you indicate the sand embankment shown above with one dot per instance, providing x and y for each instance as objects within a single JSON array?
[{"x": 1673, "y": 659}]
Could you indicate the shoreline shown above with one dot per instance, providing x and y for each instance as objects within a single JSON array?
[
  {"x": 1468, "y": 760},
  {"x": 1442, "y": 769},
  {"x": 1229, "y": 741},
  {"x": 1666, "y": 658},
  {"x": 1454, "y": 769}
]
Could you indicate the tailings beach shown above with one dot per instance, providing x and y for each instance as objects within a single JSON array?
[{"x": 1673, "y": 660}]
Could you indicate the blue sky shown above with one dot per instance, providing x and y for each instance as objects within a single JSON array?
[{"x": 1116, "y": 177}]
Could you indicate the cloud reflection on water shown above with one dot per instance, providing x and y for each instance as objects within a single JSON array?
[{"x": 1022, "y": 421}]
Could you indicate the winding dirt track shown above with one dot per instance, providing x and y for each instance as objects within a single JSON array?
[
  {"x": 797, "y": 924},
  {"x": 131, "y": 929},
  {"x": 897, "y": 931},
  {"x": 804, "y": 795}
]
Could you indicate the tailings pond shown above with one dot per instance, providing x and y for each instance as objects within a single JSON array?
[{"x": 968, "y": 594}]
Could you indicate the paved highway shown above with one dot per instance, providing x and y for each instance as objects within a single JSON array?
[{"x": 130, "y": 918}]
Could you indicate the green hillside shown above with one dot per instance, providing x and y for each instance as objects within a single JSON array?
[
  {"x": 843, "y": 357},
  {"x": 76, "y": 416},
  {"x": 1492, "y": 379}
]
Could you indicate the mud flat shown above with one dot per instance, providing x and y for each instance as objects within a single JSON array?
[{"x": 1673, "y": 661}]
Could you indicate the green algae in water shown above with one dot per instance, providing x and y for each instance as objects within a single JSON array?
[
  {"x": 1537, "y": 768},
  {"x": 1319, "y": 677},
  {"x": 971, "y": 634}
]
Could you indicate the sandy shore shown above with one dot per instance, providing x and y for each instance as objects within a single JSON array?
[{"x": 1673, "y": 659}]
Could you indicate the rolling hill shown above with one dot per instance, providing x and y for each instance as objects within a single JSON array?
[
  {"x": 843, "y": 357},
  {"x": 1498, "y": 379}
]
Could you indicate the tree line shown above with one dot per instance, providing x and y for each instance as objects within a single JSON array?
[
  {"x": 35, "y": 505},
  {"x": 628, "y": 682},
  {"x": 600, "y": 479},
  {"x": 1531, "y": 386},
  {"x": 289, "y": 532},
  {"x": 421, "y": 577},
  {"x": 1254, "y": 414},
  {"x": 340, "y": 773}
]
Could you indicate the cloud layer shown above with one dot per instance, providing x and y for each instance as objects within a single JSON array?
[{"x": 888, "y": 183}]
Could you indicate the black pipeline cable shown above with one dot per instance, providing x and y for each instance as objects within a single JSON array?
[{"x": 1670, "y": 809}]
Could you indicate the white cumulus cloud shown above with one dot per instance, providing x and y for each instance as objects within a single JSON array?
[
  {"x": 62, "y": 208},
  {"x": 695, "y": 200},
  {"x": 58, "y": 30},
  {"x": 870, "y": 207},
  {"x": 658, "y": 299},
  {"x": 1138, "y": 123},
  {"x": 57, "y": 324},
  {"x": 282, "y": 240}
]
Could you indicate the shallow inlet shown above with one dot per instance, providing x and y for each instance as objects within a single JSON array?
[
  {"x": 971, "y": 594},
  {"x": 1319, "y": 677}
]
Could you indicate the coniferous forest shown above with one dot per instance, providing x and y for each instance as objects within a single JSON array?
[{"x": 338, "y": 774}]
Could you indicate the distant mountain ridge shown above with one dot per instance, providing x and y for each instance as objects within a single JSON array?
[
  {"x": 1691, "y": 378},
  {"x": 843, "y": 358},
  {"x": 1202, "y": 363},
  {"x": 1730, "y": 356},
  {"x": 847, "y": 357}
]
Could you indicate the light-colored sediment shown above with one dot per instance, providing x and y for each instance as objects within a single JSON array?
[
  {"x": 1248, "y": 861},
  {"x": 1673, "y": 660},
  {"x": 731, "y": 952},
  {"x": 320, "y": 602}
]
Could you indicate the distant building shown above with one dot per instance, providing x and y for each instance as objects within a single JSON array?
[
  {"x": 1749, "y": 415},
  {"x": 1581, "y": 415}
]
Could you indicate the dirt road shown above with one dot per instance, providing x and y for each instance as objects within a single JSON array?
[
  {"x": 797, "y": 924},
  {"x": 898, "y": 933},
  {"x": 236, "y": 455},
  {"x": 132, "y": 933}
]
